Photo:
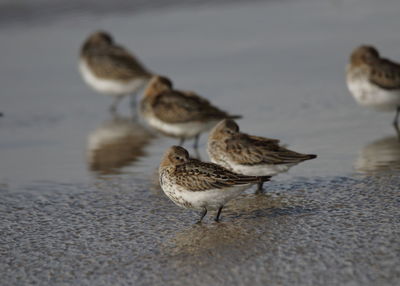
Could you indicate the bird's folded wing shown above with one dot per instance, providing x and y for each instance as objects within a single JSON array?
[
  {"x": 263, "y": 139},
  {"x": 176, "y": 107},
  {"x": 118, "y": 63},
  {"x": 247, "y": 150},
  {"x": 386, "y": 74},
  {"x": 200, "y": 176}
]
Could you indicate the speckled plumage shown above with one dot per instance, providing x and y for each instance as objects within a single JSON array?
[
  {"x": 191, "y": 183},
  {"x": 176, "y": 113},
  {"x": 247, "y": 154}
]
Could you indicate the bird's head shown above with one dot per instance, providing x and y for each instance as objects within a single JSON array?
[
  {"x": 158, "y": 84},
  {"x": 175, "y": 155},
  {"x": 364, "y": 55},
  {"x": 224, "y": 130}
]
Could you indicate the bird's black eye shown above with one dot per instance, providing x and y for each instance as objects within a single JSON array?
[{"x": 177, "y": 158}]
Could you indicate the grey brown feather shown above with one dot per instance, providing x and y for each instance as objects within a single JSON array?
[
  {"x": 243, "y": 149},
  {"x": 201, "y": 176},
  {"x": 385, "y": 74},
  {"x": 176, "y": 107},
  {"x": 111, "y": 61}
]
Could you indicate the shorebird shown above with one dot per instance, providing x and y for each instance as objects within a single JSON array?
[
  {"x": 111, "y": 69},
  {"x": 374, "y": 81},
  {"x": 250, "y": 155},
  {"x": 179, "y": 114},
  {"x": 190, "y": 183}
]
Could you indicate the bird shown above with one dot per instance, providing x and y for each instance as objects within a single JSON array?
[
  {"x": 191, "y": 183},
  {"x": 250, "y": 155},
  {"x": 179, "y": 114},
  {"x": 374, "y": 81},
  {"x": 111, "y": 69}
]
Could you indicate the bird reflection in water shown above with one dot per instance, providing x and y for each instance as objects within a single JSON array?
[
  {"x": 379, "y": 156},
  {"x": 115, "y": 144}
]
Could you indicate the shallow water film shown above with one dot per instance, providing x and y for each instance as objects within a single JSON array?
[{"x": 80, "y": 202}]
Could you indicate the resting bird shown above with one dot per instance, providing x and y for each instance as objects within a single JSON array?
[
  {"x": 250, "y": 155},
  {"x": 179, "y": 114},
  {"x": 111, "y": 69},
  {"x": 374, "y": 81},
  {"x": 190, "y": 183}
]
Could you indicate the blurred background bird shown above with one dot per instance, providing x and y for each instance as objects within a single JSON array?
[
  {"x": 374, "y": 81},
  {"x": 111, "y": 69}
]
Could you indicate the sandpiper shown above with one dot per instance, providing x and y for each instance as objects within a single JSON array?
[
  {"x": 111, "y": 69},
  {"x": 179, "y": 114},
  {"x": 374, "y": 81},
  {"x": 190, "y": 183},
  {"x": 250, "y": 155}
]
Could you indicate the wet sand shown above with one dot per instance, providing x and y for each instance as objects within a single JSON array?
[
  {"x": 76, "y": 211},
  {"x": 337, "y": 231}
]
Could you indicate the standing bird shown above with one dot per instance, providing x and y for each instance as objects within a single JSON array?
[
  {"x": 111, "y": 69},
  {"x": 250, "y": 155},
  {"x": 374, "y": 81},
  {"x": 181, "y": 114},
  {"x": 190, "y": 183}
]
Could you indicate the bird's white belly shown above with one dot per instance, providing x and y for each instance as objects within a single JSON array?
[
  {"x": 108, "y": 86},
  {"x": 370, "y": 95},
  {"x": 211, "y": 199},
  {"x": 255, "y": 170},
  {"x": 260, "y": 170},
  {"x": 186, "y": 130}
]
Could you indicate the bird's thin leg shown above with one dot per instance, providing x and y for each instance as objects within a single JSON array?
[
  {"x": 196, "y": 141},
  {"x": 259, "y": 188},
  {"x": 396, "y": 122},
  {"x": 182, "y": 141},
  {"x": 218, "y": 214},
  {"x": 203, "y": 214},
  {"x": 113, "y": 107}
]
